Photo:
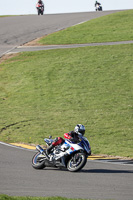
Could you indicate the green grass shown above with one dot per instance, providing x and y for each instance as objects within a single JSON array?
[
  {"x": 113, "y": 27},
  {"x": 8, "y": 15},
  {"x": 6, "y": 197},
  {"x": 48, "y": 92}
]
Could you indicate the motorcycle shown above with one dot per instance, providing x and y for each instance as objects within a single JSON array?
[
  {"x": 40, "y": 9},
  {"x": 98, "y": 7},
  {"x": 69, "y": 155}
]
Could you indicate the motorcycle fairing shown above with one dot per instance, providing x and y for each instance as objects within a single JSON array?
[
  {"x": 72, "y": 147},
  {"x": 86, "y": 144}
]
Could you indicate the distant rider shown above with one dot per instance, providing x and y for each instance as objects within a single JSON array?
[
  {"x": 40, "y": 2},
  {"x": 73, "y": 136},
  {"x": 97, "y": 3}
]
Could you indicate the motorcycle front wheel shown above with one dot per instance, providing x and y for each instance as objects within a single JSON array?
[
  {"x": 38, "y": 161},
  {"x": 77, "y": 162}
]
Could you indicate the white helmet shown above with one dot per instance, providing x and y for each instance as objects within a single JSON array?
[{"x": 79, "y": 129}]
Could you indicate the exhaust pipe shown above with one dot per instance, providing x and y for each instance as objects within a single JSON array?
[{"x": 39, "y": 148}]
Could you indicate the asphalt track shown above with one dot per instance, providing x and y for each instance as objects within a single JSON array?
[
  {"x": 48, "y": 47},
  {"x": 18, "y": 30},
  {"x": 98, "y": 180}
]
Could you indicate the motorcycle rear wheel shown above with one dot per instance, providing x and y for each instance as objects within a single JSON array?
[
  {"x": 81, "y": 160},
  {"x": 38, "y": 161},
  {"x": 39, "y": 12}
]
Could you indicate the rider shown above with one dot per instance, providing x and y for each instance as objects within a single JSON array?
[
  {"x": 72, "y": 136},
  {"x": 40, "y": 2},
  {"x": 97, "y": 3}
]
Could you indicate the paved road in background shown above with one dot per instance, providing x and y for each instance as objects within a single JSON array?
[
  {"x": 17, "y": 30},
  {"x": 98, "y": 180}
]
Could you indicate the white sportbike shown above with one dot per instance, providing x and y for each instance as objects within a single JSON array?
[{"x": 72, "y": 156}]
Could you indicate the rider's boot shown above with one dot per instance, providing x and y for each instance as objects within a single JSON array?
[{"x": 48, "y": 151}]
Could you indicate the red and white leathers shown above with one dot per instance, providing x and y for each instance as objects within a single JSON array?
[
  {"x": 70, "y": 136},
  {"x": 39, "y": 3},
  {"x": 73, "y": 136},
  {"x": 57, "y": 141}
]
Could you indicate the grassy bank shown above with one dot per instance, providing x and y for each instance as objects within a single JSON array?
[
  {"x": 6, "y": 197},
  {"x": 8, "y": 15},
  {"x": 114, "y": 27},
  {"x": 48, "y": 92}
]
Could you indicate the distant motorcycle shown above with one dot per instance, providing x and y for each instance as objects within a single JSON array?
[
  {"x": 99, "y": 7},
  {"x": 72, "y": 156},
  {"x": 40, "y": 9}
]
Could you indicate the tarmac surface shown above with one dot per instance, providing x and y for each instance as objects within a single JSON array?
[
  {"x": 18, "y": 30},
  {"x": 97, "y": 180},
  {"x": 48, "y": 47}
]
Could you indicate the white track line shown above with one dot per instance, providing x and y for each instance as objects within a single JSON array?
[{"x": 17, "y": 147}]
